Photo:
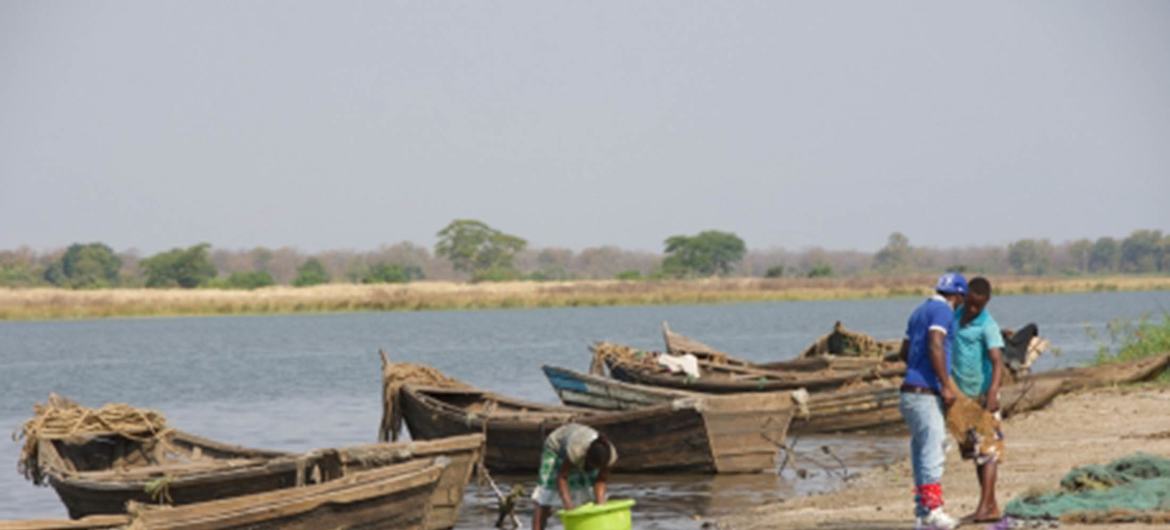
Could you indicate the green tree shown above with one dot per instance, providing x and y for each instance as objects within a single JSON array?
[
  {"x": 1030, "y": 256},
  {"x": 1142, "y": 251},
  {"x": 1080, "y": 251},
  {"x": 895, "y": 256},
  {"x": 85, "y": 266},
  {"x": 242, "y": 280},
  {"x": 477, "y": 249},
  {"x": 311, "y": 272},
  {"x": 629, "y": 275},
  {"x": 1164, "y": 266},
  {"x": 392, "y": 273},
  {"x": 775, "y": 271},
  {"x": 179, "y": 267},
  {"x": 705, "y": 254},
  {"x": 1104, "y": 256},
  {"x": 820, "y": 270}
]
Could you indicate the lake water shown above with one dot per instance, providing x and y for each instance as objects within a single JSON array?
[{"x": 304, "y": 381}]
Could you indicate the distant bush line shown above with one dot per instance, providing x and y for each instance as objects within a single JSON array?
[{"x": 470, "y": 250}]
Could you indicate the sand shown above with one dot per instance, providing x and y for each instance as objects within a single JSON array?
[{"x": 1090, "y": 427}]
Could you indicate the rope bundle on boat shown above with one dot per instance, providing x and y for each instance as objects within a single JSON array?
[
  {"x": 394, "y": 376},
  {"x": 62, "y": 419},
  {"x": 608, "y": 353},
  {"x": 846, "y": 342}
]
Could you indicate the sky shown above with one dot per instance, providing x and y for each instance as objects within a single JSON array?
[{"x": 348, "y": 125}]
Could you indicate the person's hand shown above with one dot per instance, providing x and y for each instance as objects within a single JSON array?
[
  {"x": 568, "y": 506},
  {"x": 948, "y": 395},
  {"x": 992, "y": 404}
]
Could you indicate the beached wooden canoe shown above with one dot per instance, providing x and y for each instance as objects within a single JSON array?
[
  {"x": 823, "y": 354},
  {"x": 874, "y": 407},
  {"x": 634, "y": 366},
  {"x": 396, "y": 496},
  {"x": 696, "y": 435},
  {"x": 93, "y": 522},
  {"x": 871, "y": 407},
  {"x": 101, "y": 474}
]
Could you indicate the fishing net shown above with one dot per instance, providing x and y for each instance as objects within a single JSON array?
[
  {"x": 394, "y": 377},
  {"x": 849, "y": 343},
  {"x": 62, "y": 419},
  {"x": 971, "y": 424},
  {"x": 1135, "y": 488},
  {"x": 610, "y": 354}
]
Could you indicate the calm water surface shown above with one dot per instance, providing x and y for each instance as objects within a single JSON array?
[{"x": 306, "y": 381}]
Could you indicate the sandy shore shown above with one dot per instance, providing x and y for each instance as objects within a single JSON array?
[{"x": 1091, "y": 427}]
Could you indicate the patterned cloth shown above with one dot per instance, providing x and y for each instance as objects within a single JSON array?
[{"x": 569, "y": 442}]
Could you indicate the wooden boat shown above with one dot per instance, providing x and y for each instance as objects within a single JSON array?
[
  {"x": 633, "y": 366},
  {"x": 860, "y": 409},
  {"x": 697, "y": 434},
  {"x": 819, "y": 356},
  {"x": 874, "y": 407},
  {"x": 395, "y": 496},
  {"x": 94, "y": 522},
  {"x": 100, "y": 474}
]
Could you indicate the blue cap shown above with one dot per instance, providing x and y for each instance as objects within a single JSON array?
[{"x": 952, "y": 283}]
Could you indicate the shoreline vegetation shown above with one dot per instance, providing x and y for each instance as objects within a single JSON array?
[{"x": 41, "y": 303}]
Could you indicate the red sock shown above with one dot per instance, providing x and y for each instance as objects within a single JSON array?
[{"x": 930, "y": 496}]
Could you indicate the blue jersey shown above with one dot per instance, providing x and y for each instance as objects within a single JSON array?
[{"x": 934, "y": 314}]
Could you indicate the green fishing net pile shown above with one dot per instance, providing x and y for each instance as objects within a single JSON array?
[{"x": 1136, "y": 483}]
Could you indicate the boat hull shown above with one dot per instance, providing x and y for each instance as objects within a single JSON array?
[{"x": 696, "y": 435}]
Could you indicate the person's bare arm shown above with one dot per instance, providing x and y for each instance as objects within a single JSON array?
[
  {"x": 599, "y": 486},
  {"x": 938, "y": 361},
  {"x": 563, "y": 485},
  {"x": 904, "y": 351},
  {"x": 996, "y": 356}
]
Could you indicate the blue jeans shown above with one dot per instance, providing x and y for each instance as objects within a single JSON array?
[{"x": 928, "y": 432}]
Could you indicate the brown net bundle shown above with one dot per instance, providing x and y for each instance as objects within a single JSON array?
[
  {"x": 62, "y": 419},
  {"x": 608, "y": 353},
  {"x": 394, "y": 376},
  {"x": 849, "y": 343},
  {"x": 971, "y": 424}
]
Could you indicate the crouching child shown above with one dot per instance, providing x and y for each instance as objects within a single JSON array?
[{"x": 574, "y": 469}]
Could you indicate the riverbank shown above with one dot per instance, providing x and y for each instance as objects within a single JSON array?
[
  {"x": 46, "y": 303},
  {"x": 1086, "y": 428}
]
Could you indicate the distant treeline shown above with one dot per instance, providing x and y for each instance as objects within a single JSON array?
[{"x": 471, "y": 250}]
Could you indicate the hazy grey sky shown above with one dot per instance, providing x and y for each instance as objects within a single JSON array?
[{"x": 347, "y": 125}]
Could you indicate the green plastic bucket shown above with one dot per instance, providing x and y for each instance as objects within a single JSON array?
[{"x": 613, "y": 515}]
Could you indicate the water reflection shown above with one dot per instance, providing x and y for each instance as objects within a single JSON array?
[{"x": 687, "y": 501}]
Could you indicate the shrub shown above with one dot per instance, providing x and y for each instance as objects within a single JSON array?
[
  {"x": 85, "y": 266},
  {"x": 311, "y": 272},
  {"x": 629, "y": 275},
  {"x": 1145, "y": 338},
  {"x": 187, "y": 268},
  {"x": 820, "y": 270},
  {"x": 392, "y": 273},
  {"x": 249, "y": 280}
]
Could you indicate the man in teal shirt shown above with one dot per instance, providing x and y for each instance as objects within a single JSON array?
[{"x": 977, "y": 369}]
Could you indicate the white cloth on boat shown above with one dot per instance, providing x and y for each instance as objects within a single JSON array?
[{"x": 688, "y": 364}]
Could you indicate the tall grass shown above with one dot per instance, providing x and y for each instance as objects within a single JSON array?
[
  {"x": 46, "y": 303},
  {"x": 1128, "y": 341}
]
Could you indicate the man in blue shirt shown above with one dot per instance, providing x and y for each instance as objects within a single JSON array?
[
  {"x": 978, "y": 370},
  {"x": 926, "y": 390}
]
